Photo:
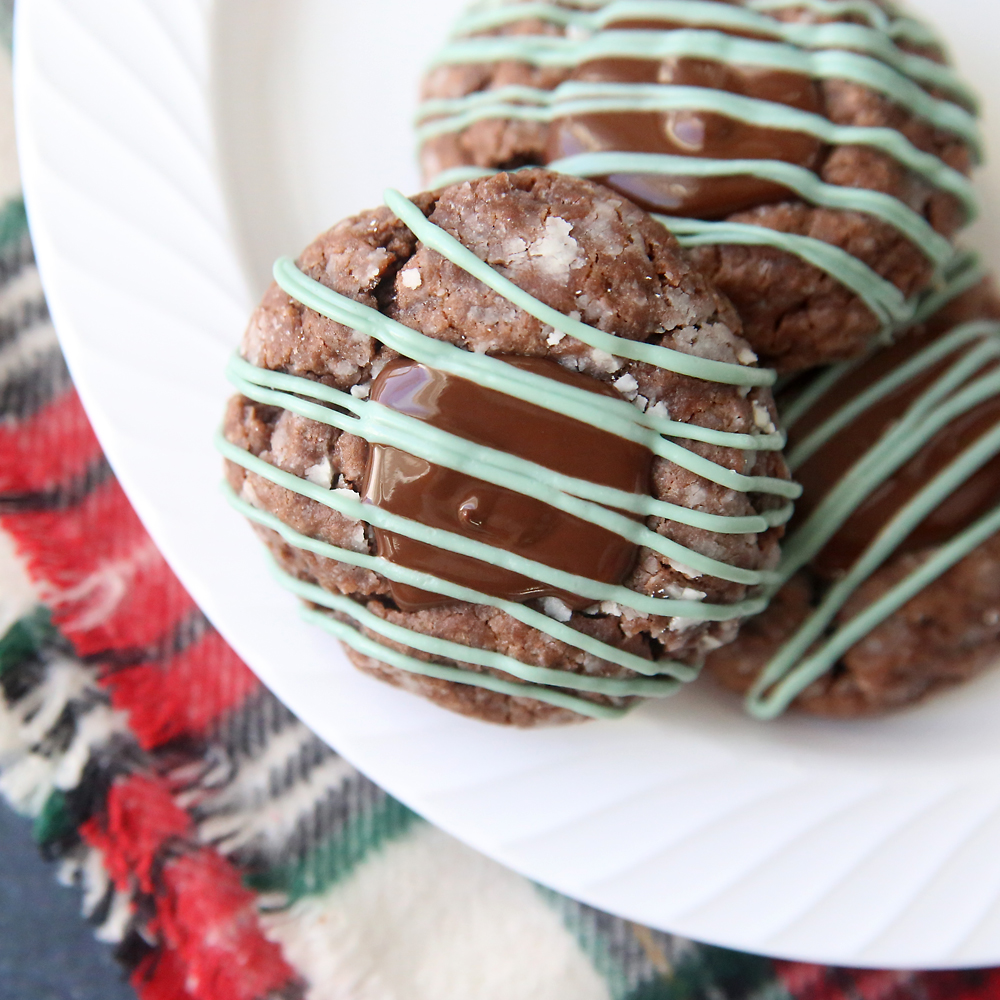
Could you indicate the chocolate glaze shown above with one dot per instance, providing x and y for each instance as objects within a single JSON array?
[
  {"x": 442, "y": 498},
  {"x": 974, "y": 498},
  {"x": 691, "y": 133}
]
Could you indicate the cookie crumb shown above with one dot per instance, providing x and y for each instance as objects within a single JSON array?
[
  {"x": 604, "y": 361},
  {"x": 762, "y": 418},
  {"x": 683, "y": 624},
  {"x": 411, "y": 278},
  {"x": 627, "y": 386},
  {"x": 556, "y": 250},
  {"x": 556, "y": 609},
  {"x": 691, "y": 574},
  {"x": 368, "y": 268},
  {"x": 321, "y": 474}
]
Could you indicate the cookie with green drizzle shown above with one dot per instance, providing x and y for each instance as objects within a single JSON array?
[
  {"x": 509, "y": 447},
  {"x": 893, "y": 562},
  {"x": 813, "y": 154}
]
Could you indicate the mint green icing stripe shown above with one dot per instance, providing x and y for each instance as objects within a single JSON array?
[
  {"x": 614, "y": 415},
  {"x": 798, "y": 179},
  {"x": 576, "y": 97},
  {"x": 698, "y": 14},
  {"x": 934, "y": 353},
  {"x": 944, "y": 559},
  {"x": 380, "y": 425},
  {"x": 883, "y": 298},
  {"x": 425, "y": 581},
  {"x": 799, "y": 662},
  {"x": 965, "y": 271},
  {"x": 555, "y": 399},
  {"x": 456, "y": 675},
  {"x": 616, "y": 687},
  {"x": 897, "y": 27},
  {"x": 540, "y": 50},
  {"x": 815, "y": 391},
  {"x": 661, "y": 357},
  {"x": 933, "y": 411},
  {"x": 888, "y": 540},
  {"x": 352, "y": 507},
  {"x": 594, "y": 410}
]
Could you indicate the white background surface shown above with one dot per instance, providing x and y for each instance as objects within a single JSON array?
[{"x": 171, "y": 149}]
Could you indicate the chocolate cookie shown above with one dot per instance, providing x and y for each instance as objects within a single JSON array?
[
  {"x": 813, "y": 155},
  {"x": 894, "y": 560},
  {"x": 511, "y": 449}
]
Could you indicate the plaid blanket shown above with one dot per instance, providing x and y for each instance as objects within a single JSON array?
[{"x": 222, "y": 847}]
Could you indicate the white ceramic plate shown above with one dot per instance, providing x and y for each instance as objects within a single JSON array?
[{"x": 171, "y": 149}]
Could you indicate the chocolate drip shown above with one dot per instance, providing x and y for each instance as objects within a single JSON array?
[
  {"x": 442, "y": 498},
  {"x": 692, "y": 133},
  {"x": 970, "y": 501}
]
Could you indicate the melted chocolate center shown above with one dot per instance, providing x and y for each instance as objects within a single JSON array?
[
  {"x": 970, "y": 501},
  {"x": 442, "y": 498},
  {"x": 691, "y": 133}
]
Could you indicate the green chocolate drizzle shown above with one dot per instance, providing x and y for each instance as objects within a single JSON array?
[
  {"x": 866, "y": 54},
  {"x": 379, "y": 424},
  {"x": 821, "y": 63},
  {"x": 966, "y": 383},
  {"x": 881, "y": 296},
  {"x": 441, "y": 116},
  {"x": 520, "y": 612},
  {"x": 877, "y": 38}
]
